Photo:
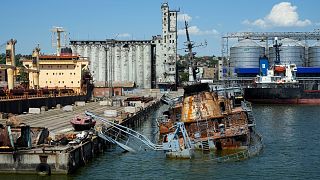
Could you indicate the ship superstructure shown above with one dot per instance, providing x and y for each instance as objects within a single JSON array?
[{"x": 278, "y": 84}]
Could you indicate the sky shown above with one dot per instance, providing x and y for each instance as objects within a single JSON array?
[{"x": 30, "y": 22}]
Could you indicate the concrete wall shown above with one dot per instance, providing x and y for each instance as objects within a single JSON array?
[{"x": 60, "y": 162}]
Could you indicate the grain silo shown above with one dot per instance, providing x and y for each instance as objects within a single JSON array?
[
  {"x": 314, "y": 55},
  {"x": 245, "y": 54}
]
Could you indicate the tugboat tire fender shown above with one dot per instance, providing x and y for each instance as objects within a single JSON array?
[{"x": 43, "y": 169}]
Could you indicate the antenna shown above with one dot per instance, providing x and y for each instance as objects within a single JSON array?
[{"x": 190, "y": 44}]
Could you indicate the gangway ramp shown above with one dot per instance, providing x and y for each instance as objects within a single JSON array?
[{"x": 120, "y": 135}]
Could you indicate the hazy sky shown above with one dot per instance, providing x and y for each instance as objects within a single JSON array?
[{"x": 30, "y": 21}]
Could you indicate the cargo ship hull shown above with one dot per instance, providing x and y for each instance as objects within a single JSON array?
[
  {"x": 19, "y": 106},
  {"x": 282, "y": 95}
]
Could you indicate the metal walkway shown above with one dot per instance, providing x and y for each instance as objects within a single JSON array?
[{"x": 120, "y": 135}]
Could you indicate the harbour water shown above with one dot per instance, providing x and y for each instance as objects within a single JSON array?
[{"x": 292, "y": 151}]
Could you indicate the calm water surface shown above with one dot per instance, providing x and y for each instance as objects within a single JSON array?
[{"x": 292, "y": 151}]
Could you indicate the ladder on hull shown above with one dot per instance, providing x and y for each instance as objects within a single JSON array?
[{"x": 205, "y": 146}]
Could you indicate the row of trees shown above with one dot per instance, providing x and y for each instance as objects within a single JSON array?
[
  {"x": 17, "y": 59},
  {"x": 22, "y": 76},
  {"x": 183, "y": 65}
]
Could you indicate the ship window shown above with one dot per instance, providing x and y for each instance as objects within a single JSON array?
[
  {"x": 50, "y": 81},
  {"x": 71, "y": 81},
  {"x": 222, "y": 106},
  {"x": 74, "y": 73},
  {"x": 46, "y": 82},
  {"x": 62, "y": 81},
  {"x": 70, "y": 73},
  {"x": 172, "y": 41},
  {"x": 47, "y": 73},
  {"x": 78, "y": 82},
  {"x": 52, "y": 73},
  {"x": 58, "y": 81}
]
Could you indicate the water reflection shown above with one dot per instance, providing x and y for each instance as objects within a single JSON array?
[{"x": 291, "y": 137}]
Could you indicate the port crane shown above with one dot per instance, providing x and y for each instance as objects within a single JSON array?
[{"x": 13, "y": 70}]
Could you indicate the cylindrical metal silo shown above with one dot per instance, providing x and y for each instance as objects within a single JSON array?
[
  {"x": 124, "y": 63},
  {"x": 74, "y": 49},
  {"x": 141, "y": 65},
  {"x": 291, "y": 51},
  {"x": 130, "y": 63},
  {"x": 245, "y": 54},
  {"x": 102, "y": 62},
  {"x": 134, "y": 63},
  {"x": 147, "y": 66},
  {"x": 314, "y": 55},
  {"x": 92, "y": 52}
]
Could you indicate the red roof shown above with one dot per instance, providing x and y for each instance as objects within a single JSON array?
[{"x": 58, "y": 57}]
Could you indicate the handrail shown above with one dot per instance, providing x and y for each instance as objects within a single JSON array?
[{"x": 127, "y": 131}]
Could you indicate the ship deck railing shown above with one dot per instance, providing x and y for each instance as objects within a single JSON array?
[{"x": 15, "y": 97}]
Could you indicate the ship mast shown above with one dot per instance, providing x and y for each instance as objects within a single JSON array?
[
  {"x": 189, "y": 44},
  {"x": 277, "y": 50}
]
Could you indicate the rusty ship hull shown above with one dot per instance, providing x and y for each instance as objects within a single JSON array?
[{"x": 212, "y": 121}]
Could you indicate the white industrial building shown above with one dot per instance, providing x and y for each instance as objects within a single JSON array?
[{"x": 147, "y": 63}]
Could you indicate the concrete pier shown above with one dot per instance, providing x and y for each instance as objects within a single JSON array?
[
  {"x": 51, "y": 159},
  {"x": 59, "y": 159}
]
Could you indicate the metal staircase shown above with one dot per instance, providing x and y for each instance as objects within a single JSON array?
[
  {"x": 205, "y": 146},
  {"x": 123, "y": 134}
]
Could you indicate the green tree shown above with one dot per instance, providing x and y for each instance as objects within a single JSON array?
[
  {"x": 2, "y": 58},
  {"x": 17, "y": 60},
  {"x": 184, "y": 77}
]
